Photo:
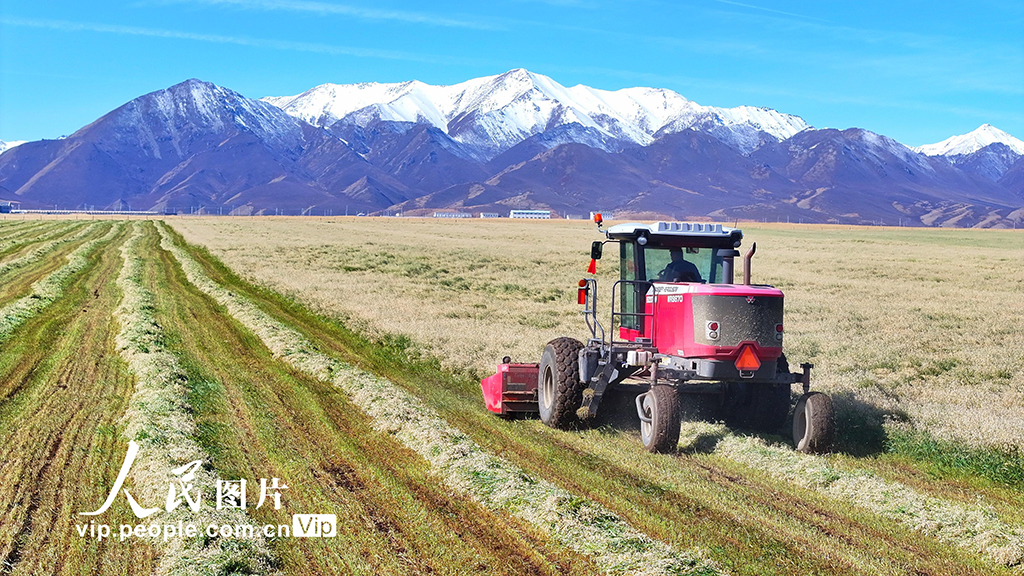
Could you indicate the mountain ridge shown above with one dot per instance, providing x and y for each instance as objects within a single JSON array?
[
  {"x": 198, "y": 144},
  {"x": 493, "y": 113}
]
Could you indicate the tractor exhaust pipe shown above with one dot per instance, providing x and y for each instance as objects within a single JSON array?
[
  {"x": 746, "y": 263},
  {"x": 727, "y": 256}
]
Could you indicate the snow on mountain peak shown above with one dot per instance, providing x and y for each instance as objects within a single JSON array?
[
  {"x": 972, "y": 142},
  {"x": 5, "y": 146},
  {"x": 197, "y": 103},
  {"x": 497, "y": 112}
]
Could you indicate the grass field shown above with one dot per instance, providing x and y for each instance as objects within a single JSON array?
[
  {"x": 912, "y": 326},
  {"x": 342, "y": 356}
]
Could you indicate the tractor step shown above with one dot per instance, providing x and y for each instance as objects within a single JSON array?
[{"x": 512, "y": 389}]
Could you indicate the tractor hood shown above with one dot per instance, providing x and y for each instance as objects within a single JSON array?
[{"x": 715, "y": 320}]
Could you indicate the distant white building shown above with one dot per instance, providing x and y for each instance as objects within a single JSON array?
[
  {"x": 452, "y": 215},
  {"x": 490, "y": 215},
  {"x": 531, "y": 214}
]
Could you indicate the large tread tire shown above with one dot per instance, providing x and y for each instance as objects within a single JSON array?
[
  {"x": 814, "y": 423},
  {"x": 559, "y": 390},
  {"x": 661, "y": 406}
]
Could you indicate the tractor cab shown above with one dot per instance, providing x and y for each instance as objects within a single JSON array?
[{"x": 666, "y": 253}]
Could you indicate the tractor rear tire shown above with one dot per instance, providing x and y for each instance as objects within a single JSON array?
[
  {"x": 559, "y": 390},
  {"x": 661, "y": 407},
  {"x": 814, "y": 423}
]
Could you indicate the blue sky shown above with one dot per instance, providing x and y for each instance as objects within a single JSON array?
[{"x": 916, "y": 71}]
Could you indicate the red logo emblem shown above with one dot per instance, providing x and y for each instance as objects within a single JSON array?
[{"x": 750, "y": 299}]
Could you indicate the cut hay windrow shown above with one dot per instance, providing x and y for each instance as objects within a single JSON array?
[
  {"x": 158, "y": 420},
  {"x": 974, "y": 528},
  {"x": 23, "y": 234},
  {"x": 48, "y": 289},
  {"x": 19, "y": 229},
  {"x": 50, "y": 242},
  {"x": 577, "y": 523}
]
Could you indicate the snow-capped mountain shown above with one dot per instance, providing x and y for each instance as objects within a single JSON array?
[
  {"x": 972, "y": 142},
  {"x": 166, "y": 118},
  {"x": 517, "y": 140},
  {"x": 494, "y": 113},
  {"x": 5, "y": 146},
  {"x": 197, "y": 144}
]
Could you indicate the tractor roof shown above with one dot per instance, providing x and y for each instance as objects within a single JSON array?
[{"x": 679, "y": 234}]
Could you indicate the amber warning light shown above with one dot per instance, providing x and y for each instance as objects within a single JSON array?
[{"x": 597, "y": 218}]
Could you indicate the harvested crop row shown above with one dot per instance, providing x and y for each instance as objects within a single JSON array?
[
  {"x": 158, "y": 420},
  {"x": 18, "y": 229},
  {"x": 575, "y": 522},
  {"x": 20, "y": 237},
  {"x": 63, "y": 391},
  {"x": 49, "y": 288},
  {"x": 974, "y": 528},
  {"x": 47, "y": 246}
]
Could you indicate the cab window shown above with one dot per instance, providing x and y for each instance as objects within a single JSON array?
[
  {"x": 628, "y": 297},
  {"x": 682, "y": 265}
]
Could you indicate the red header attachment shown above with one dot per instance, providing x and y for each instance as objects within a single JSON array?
[{"x": 748, "y": 360}]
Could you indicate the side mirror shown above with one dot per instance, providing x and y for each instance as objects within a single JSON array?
[{"x": 596, "y": 249}]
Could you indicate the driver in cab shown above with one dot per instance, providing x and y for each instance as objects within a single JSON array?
[{"x": 679, "y": 270}]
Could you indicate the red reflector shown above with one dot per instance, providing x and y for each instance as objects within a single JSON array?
[
  {"x": 713, "y": 326},
  {"x": 747, "y": 360},
  {"x": 778, "y": 327},
  {"x": 592, "y": 269},
  {"x": 581, "y": 296}
]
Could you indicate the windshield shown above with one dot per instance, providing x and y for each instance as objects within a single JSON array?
[{"x": 682, "y": 265}]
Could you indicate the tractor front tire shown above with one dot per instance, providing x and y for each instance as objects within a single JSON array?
[
  {"x": 559, "y": 390},
  {"x": 814, "y": 423},
  {"x": 661, "y": 407}
]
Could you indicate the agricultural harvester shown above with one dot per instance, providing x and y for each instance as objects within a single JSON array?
[{"x": 694, "y": 343}]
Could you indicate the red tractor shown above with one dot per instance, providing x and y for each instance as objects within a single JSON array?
[{"x": 695, "y": 343}]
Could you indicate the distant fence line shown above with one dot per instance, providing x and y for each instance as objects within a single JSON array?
[{"x": 140, "y": 212}]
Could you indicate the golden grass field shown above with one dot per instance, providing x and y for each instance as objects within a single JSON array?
[
  {"x": 358, "y": 387},
  {"x": 917, "y": 327}
]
